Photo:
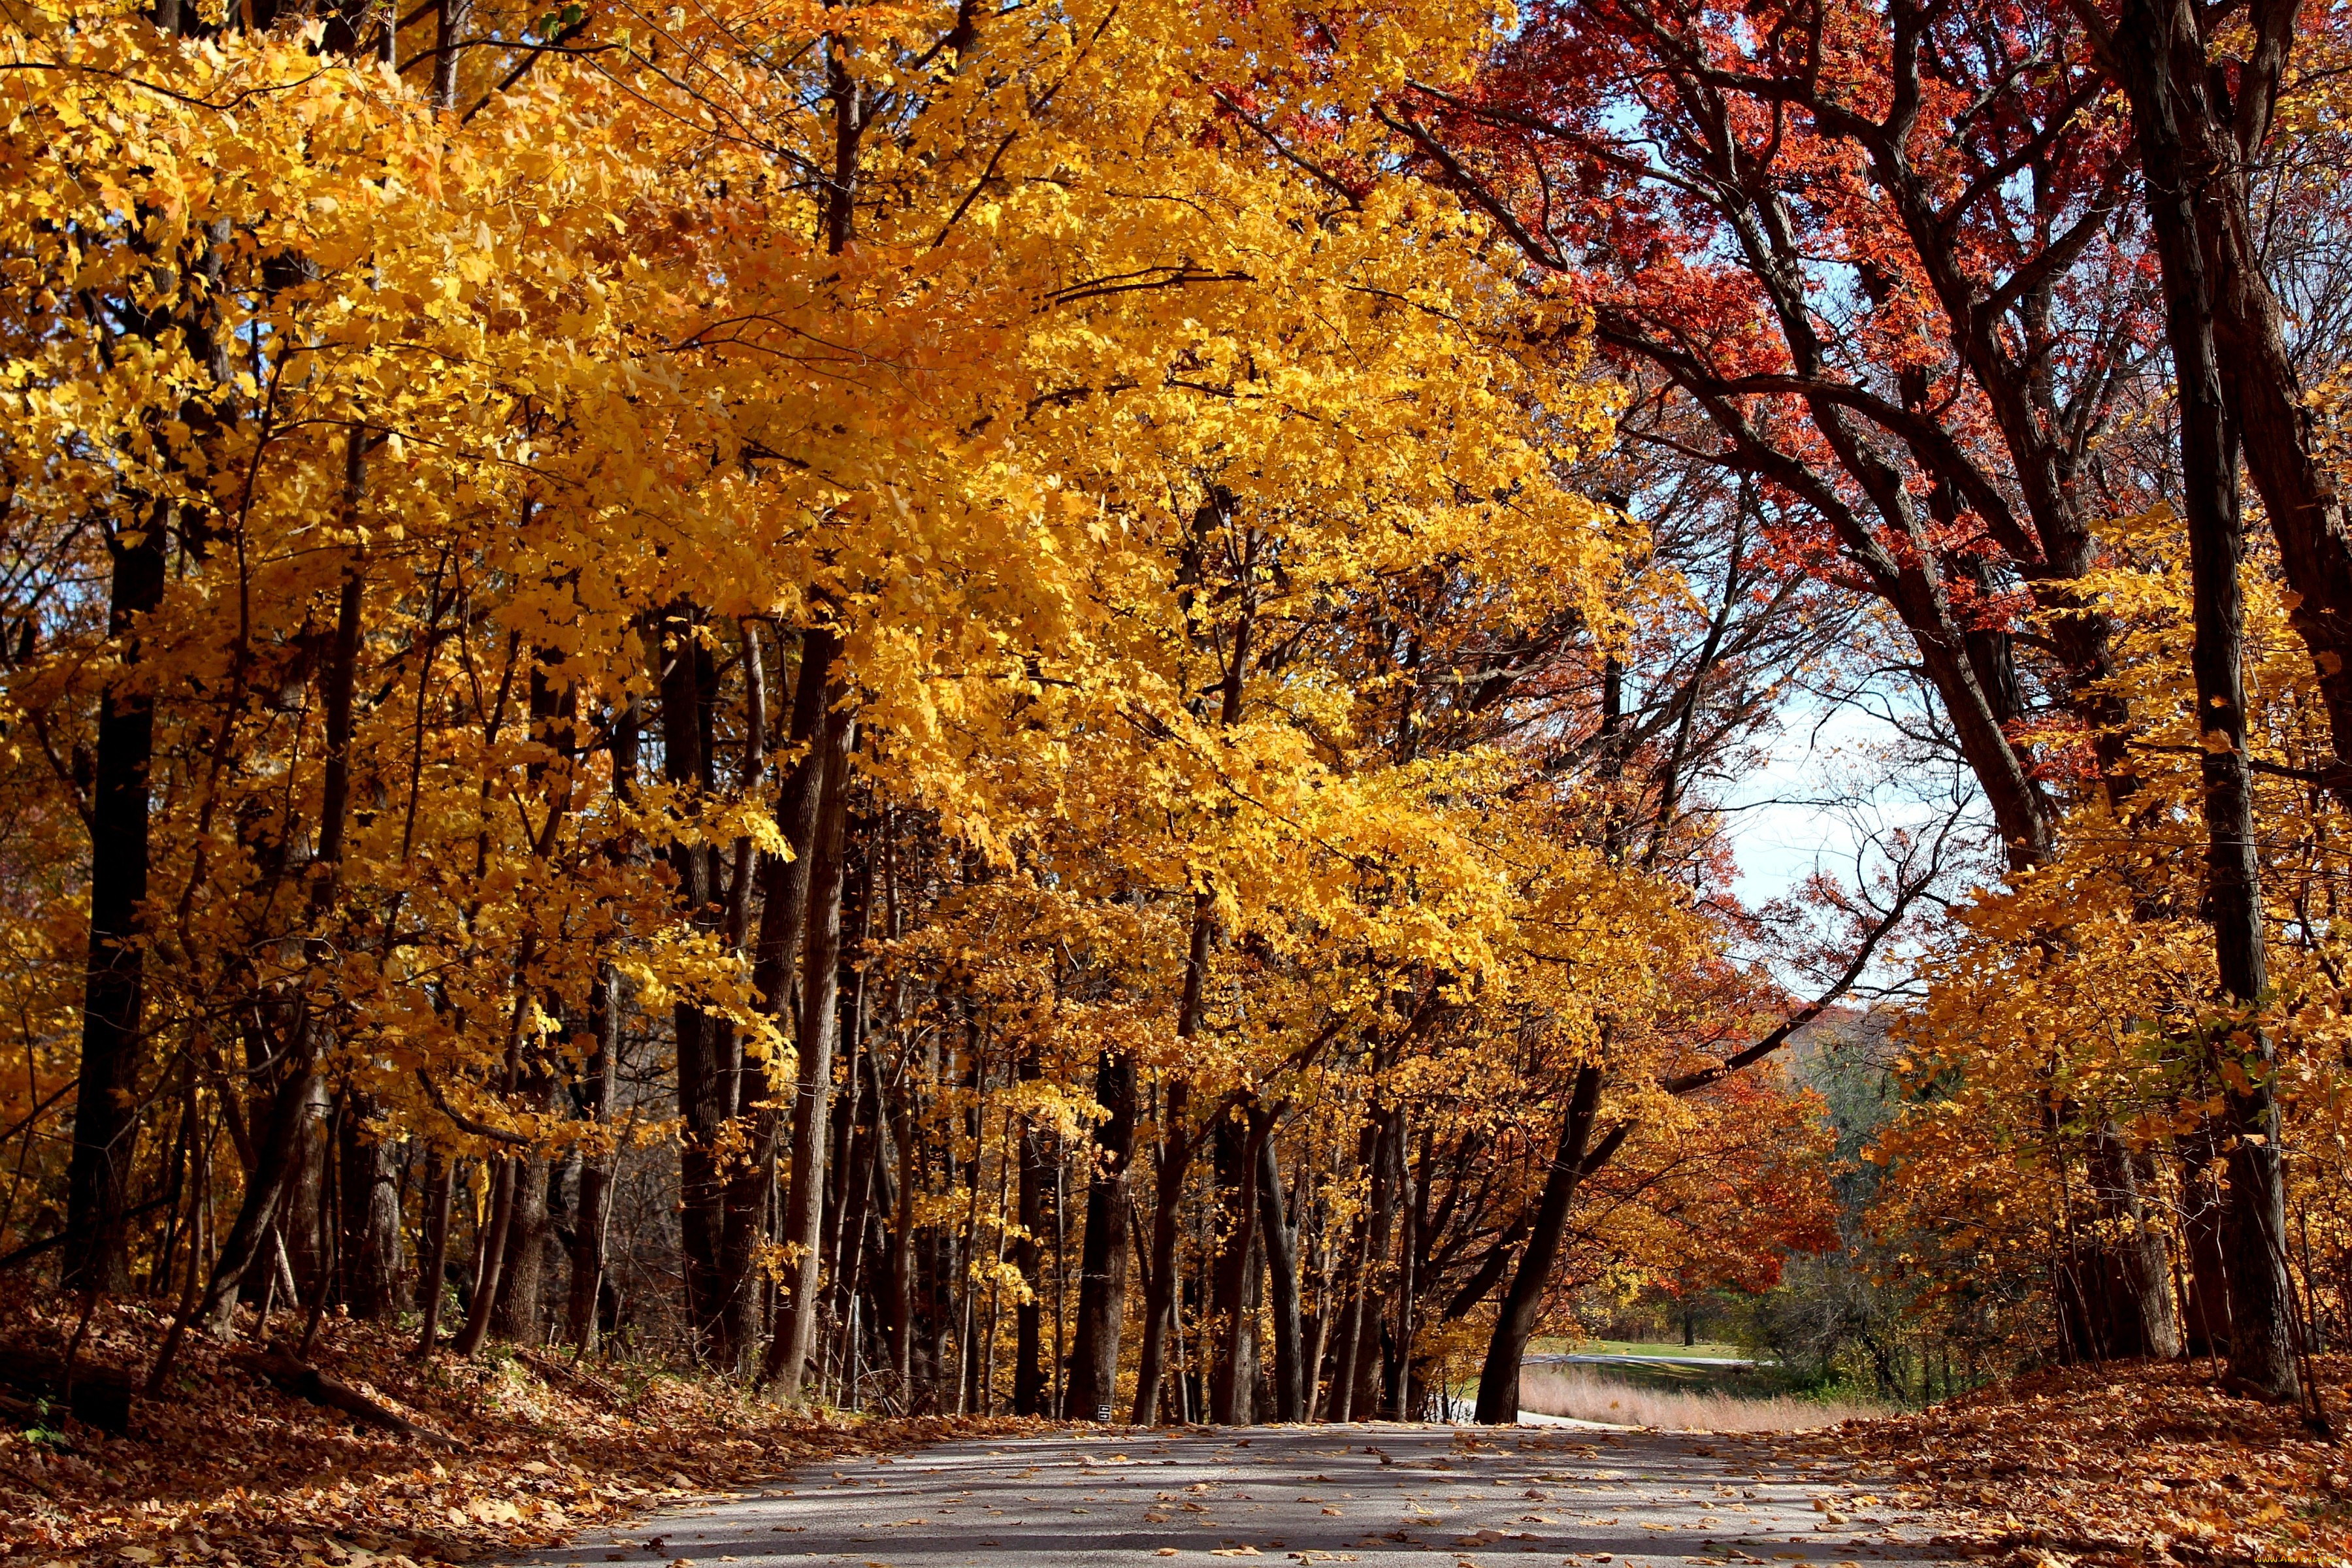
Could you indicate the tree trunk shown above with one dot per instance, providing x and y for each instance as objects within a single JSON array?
[
  {"x": 1515, "y": 1325},
  {"x": 432, "y": 1280},
  {"x": 249, "y": 1244},
  {"x": 1159, "y": 1277},
  {"x": 369, "y": 1255},
  {"x": 2204, "y": 1229},
  {"x": 2161, "y": 53},
  {"x": 2137, "y": 1265},
  {"x": 1234, "y": 1154},
  {"x": 1355, "y": 1266},
  {"x": 592, "y": 1213},
  {"x": 521, "y": 1299},
  {"x": 1029, "y": 1381},
  {"x": 1175, "y": 1157},
  {"x": 788, "y": 1355},
  {"x": 1103, "y": 1253},
  {"x": 493, "y": 1253},
  {"x": 703, "y": 1040},
  {"x": 902, "y": 1239},
  {"x": 1282, "y": 1273},
  {"x": 97, "y": 1248},
  {"x": 305, "y": 1224},
  {"x": 1398, "y": 1370},
  {"x": 784, "y": 919},
  {"x": 592, "y": 1222},
  {"x": 1368, "y": 1360}
]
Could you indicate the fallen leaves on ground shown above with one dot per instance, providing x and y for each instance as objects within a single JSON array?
[
  {"x": 229, "y": 1472},
  {"x": 2134, "y": 1463}
]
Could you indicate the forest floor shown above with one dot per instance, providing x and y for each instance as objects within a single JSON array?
[
  {"x": 525, "y": 1457},
  {"x": 518, "y": 1448}
]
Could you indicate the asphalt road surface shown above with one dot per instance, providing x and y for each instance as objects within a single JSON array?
[{"x": 1376, "y": 1494}]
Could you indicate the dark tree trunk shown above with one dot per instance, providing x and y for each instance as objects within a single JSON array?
[
  {"x": 522, "y": 1300},
  {"x": 1355, "y": 1266},
  {"x": 2202, "y": 133},
  {"x": 1369, "y": 1360},
  {"x": 593, "y": 1213},
  {"x": 369, "y": 1255},
  {"x": 1103, "y": 1253},
  {"x": 2133, "y": 1265},
  {"x": 1515, "y": 1325},
  {"x": 592, "y": 1222},
  {"x": 96, "y": 1252},
  {"x": 703, "y": 1040},
  {"x": 432, "y": 1279},
  {"x": 1160, "y": 1274},
  {"x": 1175, "y": 1158},
  {"x": 1029, "y": 1382},
  {"x": 2204, "y": 1236},
  {"x": 1282, "y": 1273},
  {"x": 1234, "y": 1154},
  {"x": 250, "y": 1245},
  {"x": 902, "y": 1238},
  {"x": 1398, "y": 1385},
  {"x": 491, "y": 1252},
  {"x": 2161, "y": 54}
]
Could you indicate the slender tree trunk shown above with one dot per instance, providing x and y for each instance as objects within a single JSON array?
[
  {"x": 2204, "y": 1230},
  {"x": 783, "y": 921},
  {"x": 1234, "y": 1154},
  {"x": 1399, "y": 1367},
  {"x": 902, "y": 1239},
  {"x": 432, "y": 1281},
  {"x": 1515, "y": 1325},
  {"x": 1370, "y": 1321},
  {"x": 593, "y": 1222},
  {"x": 788, "y": 1356},
  {"x": 1103, "y": 1253},
  {"x": 1175, "y": 1158},
  {"x": 1282, "y": 1274},
  {"x": 594, "y": 1208},
  {"x": 857, "y": 1194},
  {"x": 250, "y": 1243},
  {"x": 1028, "y": 1254},
  {"x": 703, "y": 1039},
  {"x": 1355, "y": 1268},
  {"x": 1159, "y": 1275},
  {"x": 493, "y": 1250}
]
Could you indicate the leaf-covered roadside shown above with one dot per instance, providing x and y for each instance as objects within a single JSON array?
[
  {"x": 2142, "y": 1463},
  {"x": 226, "y": 1469}
]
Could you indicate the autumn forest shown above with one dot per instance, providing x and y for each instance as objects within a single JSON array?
[{"x": 1155, "y": 712}]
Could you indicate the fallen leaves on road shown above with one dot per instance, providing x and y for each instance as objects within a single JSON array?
[
  {"x": 226, "y": 1471},
  {"x": 2117, "y": 1464}
]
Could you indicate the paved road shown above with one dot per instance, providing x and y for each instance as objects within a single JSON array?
[{"x": 1432, "y": 1496}]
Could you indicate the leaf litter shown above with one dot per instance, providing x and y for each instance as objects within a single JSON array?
[{"x": 228, "y": 1471}]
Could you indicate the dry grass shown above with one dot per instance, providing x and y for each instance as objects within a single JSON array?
[{"x": 1576, "y": 1391}]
